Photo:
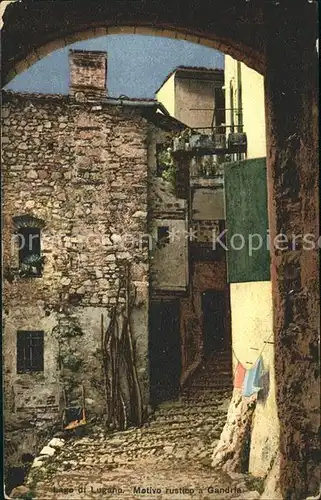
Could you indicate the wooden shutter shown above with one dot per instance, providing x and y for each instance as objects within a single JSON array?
[{"x": 246, "y": 214}]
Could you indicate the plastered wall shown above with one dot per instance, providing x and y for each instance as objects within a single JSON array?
[{"x": 251, "y": 312}]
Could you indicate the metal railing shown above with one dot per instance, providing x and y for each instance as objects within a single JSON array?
[
  {"x": 222, "y": 139},
  {"x": 219, "y": 129}
]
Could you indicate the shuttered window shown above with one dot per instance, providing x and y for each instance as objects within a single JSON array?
[
  {"x": 30, "y": 351},
  {"x": 246, "y": 221}
]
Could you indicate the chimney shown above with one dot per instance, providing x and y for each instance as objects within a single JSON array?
[{"x": 88, "y": 74}]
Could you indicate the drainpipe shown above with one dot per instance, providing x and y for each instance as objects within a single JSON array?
[
  {"x": 239, "y": 96},
  {"x": 239, "y": 102},
  {"x": 114, "y": 101}
]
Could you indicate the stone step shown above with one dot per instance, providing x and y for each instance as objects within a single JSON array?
[
  {"x": 192, "y": 413},
  {"x": 185, "y": 421},
  {"x": 196, "y": 402},
  {"x": 195, "y": 396},
  {"x": 218, "y": 373},
  {"x": 200, "y": 384},
  {"x": 224, "y": 370},
  {"x": 213, "y": 364},
  {"x": 218, "y": 361},
  {"x": 206, "y": 391},
  {"x": 215, "y": 370},
  {"x": 217, "y": 387},
  {"x": 191, "y": 399},
  {"x": 215, "y": 374},
  {"x": 215, "y": 400},
  {"x": 178, "y": 424},
  {"x": 204, "y": 384},
  {"x": 209, "y": 388},
  {"x": 192, "y": 440}
]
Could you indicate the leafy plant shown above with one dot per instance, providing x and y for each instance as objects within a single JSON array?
[
  {"x": 165, "y": 159},
  {"x": 70, "y": 362},
  {"x": 8, "y": 274},
  {"x": 209, "y": 167},
  {"x": 72, "y": 331},
  {"x": 169, "y": 175},
  {"x": 167, "y": 166},
  {"x": 29, "y": 495},
  {"x": 185, "y": 134},
  {"x": 32, "y": 265}
]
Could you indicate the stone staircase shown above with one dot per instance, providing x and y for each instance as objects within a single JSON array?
[
  {"x": 179, "y": 435},
  {"x": 212, "y": 377}
]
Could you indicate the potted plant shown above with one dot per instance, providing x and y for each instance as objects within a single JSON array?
[
  {"x": 32, "y": 265},
  {"x": 182, "y": 140}
]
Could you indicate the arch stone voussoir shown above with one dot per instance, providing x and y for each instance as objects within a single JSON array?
[
  {"x": 31, "y": 28},
  {"x": 277, "y": 39}
]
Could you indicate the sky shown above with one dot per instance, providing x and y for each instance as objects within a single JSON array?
[{"x": 137, "y": 64}]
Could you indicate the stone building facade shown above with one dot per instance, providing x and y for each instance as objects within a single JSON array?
[
  {"x": 271, "y": 39},
  {"x": 195, "y": 95},
  {"x": 84, "y": 177},
  {"x": 76, "y": 181}
]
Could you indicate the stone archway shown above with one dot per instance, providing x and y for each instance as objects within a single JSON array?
[
  {"x": 277, "y": 39},
  {"x": 32, "y": 31}
]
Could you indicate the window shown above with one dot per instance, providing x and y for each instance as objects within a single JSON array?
[
  {"x": 30, "y": 351},
  {"x": 30, "y": 261},
  {"x": 163, "y": 237}
]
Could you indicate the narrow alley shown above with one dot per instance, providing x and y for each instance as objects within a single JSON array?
[
  {"x": 160, "y": 250},
  {"x": 169, "y": 457}
]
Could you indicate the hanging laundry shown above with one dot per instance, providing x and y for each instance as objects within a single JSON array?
[
  {"x": 252, "y": 378},
  {"x": 239, "y": 376},
  {"x": 265, "y": 385}
]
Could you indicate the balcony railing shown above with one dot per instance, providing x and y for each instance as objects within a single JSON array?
[{"x": 220, "y": 140}]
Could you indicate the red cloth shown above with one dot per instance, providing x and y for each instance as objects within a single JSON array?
[{"x": 239, "y": 376}]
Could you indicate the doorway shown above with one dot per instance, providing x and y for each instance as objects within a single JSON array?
[
  {"x": 164, "y": 351},
  {"x": 214, "y": 325}
]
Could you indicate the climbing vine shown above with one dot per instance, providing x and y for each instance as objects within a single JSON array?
[
  {"x": 167, "y": 166},
  {"x": 122, "y": 388}
]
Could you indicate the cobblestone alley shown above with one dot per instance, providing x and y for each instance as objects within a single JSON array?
[{"x": 168, "y": 458}]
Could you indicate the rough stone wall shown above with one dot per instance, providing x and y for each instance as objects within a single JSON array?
[
  {"x": 293, "y": 174},
  {"x": 204, "y": 231},
  {"x": 82, "y": 169},
  {"x": 88, "y": 72}
]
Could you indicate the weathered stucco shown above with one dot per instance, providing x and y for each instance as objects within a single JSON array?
[
  {"x": 166, "y": 95},
  {"x": 200, "y": 95},
  {"x": 169, "y": 265},
  {"x": 191, "y": 95},
  {"x": 291, "y": 91},
  {"x": 251, "y": 313},
  {"x": 253, "y": 105},
  {"x": 208, "y": 203}
]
